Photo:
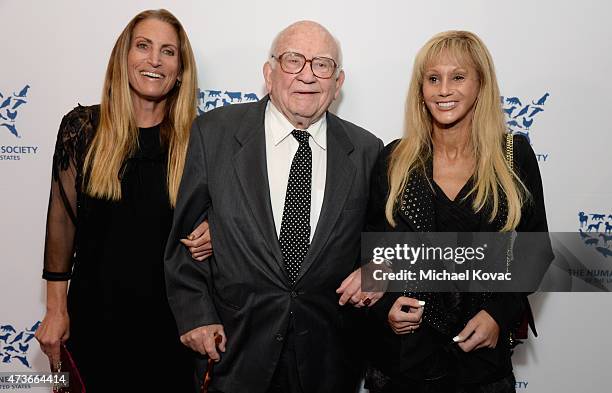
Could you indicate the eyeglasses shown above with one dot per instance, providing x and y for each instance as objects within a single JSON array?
[{"x": 293, "y": 63}]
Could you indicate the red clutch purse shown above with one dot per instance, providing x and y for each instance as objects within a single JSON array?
[{"x": 67, "y": 365}]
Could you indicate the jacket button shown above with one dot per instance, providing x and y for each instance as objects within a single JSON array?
[
  {"x": 294, "y": 294},
  {"x": 279, "y": 337}
]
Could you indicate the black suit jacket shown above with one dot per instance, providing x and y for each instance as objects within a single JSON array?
[{"x": 244, "y": 285}]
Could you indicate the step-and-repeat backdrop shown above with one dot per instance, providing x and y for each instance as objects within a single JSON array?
[{"x": 554, "y": 66}]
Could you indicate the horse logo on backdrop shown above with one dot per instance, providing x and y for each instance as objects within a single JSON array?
[
  {"x": 520, "y": 115},
  {"x": 10, "y": 105},
  {"x": 14, "y": 345},
  {"x": 211, "y": 99},
  {"x": 596, "y": 231}
]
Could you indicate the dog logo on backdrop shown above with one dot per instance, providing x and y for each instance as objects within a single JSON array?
[
  {"x": 14, "y": 345},
  {"x": 596, "y": 231},
  {"x": 521, "y": 113},
  {"x": 211, "y": 99},
  {"x": 10, "y": 105}
]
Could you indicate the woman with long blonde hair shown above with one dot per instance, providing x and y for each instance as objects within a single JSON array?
[
  {"x": 116, "y": 172},
  {"x": 451, "y": 173}
]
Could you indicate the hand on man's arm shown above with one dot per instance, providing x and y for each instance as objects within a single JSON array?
[
  {"x": 351, "y": 292},
  {"x": 199, "y": 242}
]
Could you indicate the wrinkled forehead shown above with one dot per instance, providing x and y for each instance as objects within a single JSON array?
[{"x": 309, "y": 41}]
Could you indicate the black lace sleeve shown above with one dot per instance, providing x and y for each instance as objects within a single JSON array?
[{"x": 75, "y": 132}]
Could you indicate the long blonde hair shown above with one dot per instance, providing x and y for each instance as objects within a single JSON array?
[
  {"x": 488, "y": 130},
  {"x": 116, "y": 138}
]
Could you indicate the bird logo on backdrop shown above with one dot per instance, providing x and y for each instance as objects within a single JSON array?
[
  {"x": 10, "y": 105},
  {"x": 596, "y": 231},
  {"x": 14, "y": 345},
  {"x": 520, "y": 114},
  {"x": 211, "y": 99}
]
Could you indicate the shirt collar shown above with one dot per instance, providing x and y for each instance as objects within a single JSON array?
[{"x": 281, "y": 128}]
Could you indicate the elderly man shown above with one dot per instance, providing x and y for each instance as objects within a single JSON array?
[{"x": 284, "y": 184}]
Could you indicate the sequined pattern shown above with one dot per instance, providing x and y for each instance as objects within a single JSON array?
[{"x": 417, "y": 207}]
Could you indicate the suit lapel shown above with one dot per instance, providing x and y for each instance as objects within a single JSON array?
[
  {"x": 251, "y": 169},
  {"x": 338, "y": 181}
]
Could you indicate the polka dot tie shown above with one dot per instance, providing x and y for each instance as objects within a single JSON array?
[{"x": 295, "y": 226}]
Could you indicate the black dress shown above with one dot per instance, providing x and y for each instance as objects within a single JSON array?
[
  {"x": 427, "y": 360},
  {"x": 122, "y": 333}
]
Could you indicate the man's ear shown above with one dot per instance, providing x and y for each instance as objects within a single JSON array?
[
  {"x": 267, "y": 73},
  {"x": 339, "y": 83}
]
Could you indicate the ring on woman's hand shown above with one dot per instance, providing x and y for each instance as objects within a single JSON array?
[{"x": 367, "y": 301}]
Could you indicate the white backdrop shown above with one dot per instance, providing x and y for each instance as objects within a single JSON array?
[{"x": 60, "y": 50}]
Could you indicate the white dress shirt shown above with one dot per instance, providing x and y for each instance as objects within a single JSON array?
[{"x": 281, "y": 146}]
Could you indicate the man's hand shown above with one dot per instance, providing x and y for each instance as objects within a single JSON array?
[
  {"x": 199, "y": 242},
  {"x": 480, "y": 332},
  {"x": 202, "y": 340},
  {"x": 407, "y": 320},
  {"x": 350, "y": 291}
]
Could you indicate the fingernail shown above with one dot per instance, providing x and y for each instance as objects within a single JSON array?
[
  {"x": 421, "y": 303},
  {"x": 456, "y": 339}
]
